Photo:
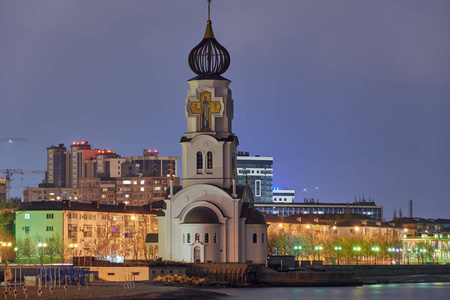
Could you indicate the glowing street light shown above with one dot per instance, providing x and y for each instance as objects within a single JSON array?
[
  {"x": 338, "y": 249},
  {"x": 375, "y": 250},
  {"x": 41, "y": 255},
  {"x": 318, "y": 249},
  {"x": 357, "y": 249},
  {"x": 298, "y": 248},
  {"x": 73, "y": 246}
]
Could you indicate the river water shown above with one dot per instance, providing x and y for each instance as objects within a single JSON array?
[{"x": 433, "y": 290}]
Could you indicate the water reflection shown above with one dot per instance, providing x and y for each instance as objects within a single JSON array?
[{"x": 439, "y": 290}]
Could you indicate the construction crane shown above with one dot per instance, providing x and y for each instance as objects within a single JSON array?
[
  {"x": 10, "y": 140},
  {"x": 10, "y": 172}
]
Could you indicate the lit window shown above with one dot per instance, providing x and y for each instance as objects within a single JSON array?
[
  {"x": 127, "y": 182},
  {"x": 27, "y": 216},
  {"x": 134, "y": 182},
  {"x": 142, "y": 181},
  {"x": 258, "y": 188},
  {"x": 142, "y": 189},
  {"x": 157, "y": 188},
  {"x": 127, "y": 195}
]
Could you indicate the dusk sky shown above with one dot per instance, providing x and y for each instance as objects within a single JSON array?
[{"x": 351, "y": 97}]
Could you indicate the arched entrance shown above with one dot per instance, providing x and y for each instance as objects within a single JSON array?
[{"x": 197, "y": 254}]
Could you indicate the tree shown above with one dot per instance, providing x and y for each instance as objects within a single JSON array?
[
  {"x": 27, "y": 248},
  {"x": 54, "y": 247}
]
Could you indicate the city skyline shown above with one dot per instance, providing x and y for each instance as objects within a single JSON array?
[{"x": 347, "y": 99}]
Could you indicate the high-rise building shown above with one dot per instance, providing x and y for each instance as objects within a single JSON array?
[
  {"x": 57, "y": 162},
  {"x": 257, "y": 171},
  {"x": 2, "y": 188}
]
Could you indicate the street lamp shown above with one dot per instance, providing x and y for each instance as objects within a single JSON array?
[
  {"x": 422, "y": 251},
  {"x": 41, "y": 256},
  {"x": 375, "y": 250},
  {"x": 318, "y": 249},
  {"x": 4, "y": 244},
  {"x": 73, "y": 246},
  {"x": 298, "y": 248},
  {"x": 338, "y": 249},
  {"x": 356, "y": 249}
]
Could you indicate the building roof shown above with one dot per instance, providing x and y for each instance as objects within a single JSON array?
[
  {"x": 293, "y": 204},
  {"x": 67, "y": 205},
  {"x": 255, "y": 217}
]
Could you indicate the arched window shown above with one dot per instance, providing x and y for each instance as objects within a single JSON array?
[
  {"x": 209, "y": 159},
  {"x": 262, "y": 238},
  {"x": 199, "y": 161},
  {"x": 188, "y": 237},
  {"x": 214, "y": 238},
  {"x": 197, "y": 237},
  {"x": 255, "y": 238},
  {"x": 206, "y": 238}
]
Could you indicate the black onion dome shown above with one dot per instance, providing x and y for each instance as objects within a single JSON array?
[{"x": 209, "y": 59}]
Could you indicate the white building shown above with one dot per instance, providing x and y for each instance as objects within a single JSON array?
[
  {"x": 283, "y": 196},
  {"x": 210, "y": 218}
]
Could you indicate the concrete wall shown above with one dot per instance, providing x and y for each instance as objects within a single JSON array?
[
  {"x": 391, "y": 270},
  {"x": 122, "y": 273}
]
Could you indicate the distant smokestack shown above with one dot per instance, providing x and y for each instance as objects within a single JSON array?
[{"x": 410, "y": 209}]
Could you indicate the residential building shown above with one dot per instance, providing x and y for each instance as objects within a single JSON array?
[
  {"x": 98, "y": 230},
  {"x": 57, "y": 162},
  {"x": 257, "y": 171},
  {"x": 49, "y": 194},
  {"x": 128, "y": 190}
]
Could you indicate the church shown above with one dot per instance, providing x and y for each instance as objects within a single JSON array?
[{"x": 210, "y": 218}]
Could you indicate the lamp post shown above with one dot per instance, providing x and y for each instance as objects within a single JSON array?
[
  {"x": 73, "y": 246},
  {"x": 4, "y": 244},
  {"x": 422, "y": 252},
  {"x": 375, "y": 250},
  {"x": 357, "y": 249},
  {"x": 41, "y": 256},
  {"x": 338, "y": 249},
  {"x": 318, "y": 249},
  {"x": 297, "y": 250}
]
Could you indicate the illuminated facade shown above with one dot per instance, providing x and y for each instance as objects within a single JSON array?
[
  {"x": 97, "y": 230},
  {"x": 128, "y": 190}
]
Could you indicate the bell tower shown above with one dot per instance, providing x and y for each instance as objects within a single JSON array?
[{"x": 209, "y": 146}]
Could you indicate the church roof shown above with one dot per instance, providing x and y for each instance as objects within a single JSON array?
[
  {"x": 209, "y": 59},
  {"x": 201, "y": 215},
  {"x": 255, "y": 217}
]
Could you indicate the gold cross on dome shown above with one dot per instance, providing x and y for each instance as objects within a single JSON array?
[{"x": 205, "y": 107}]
